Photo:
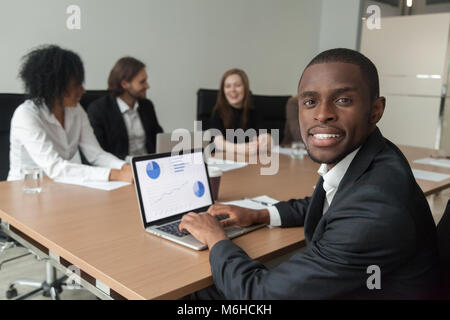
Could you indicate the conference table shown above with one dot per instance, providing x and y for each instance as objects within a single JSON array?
[{"x": 98, "y": 235}]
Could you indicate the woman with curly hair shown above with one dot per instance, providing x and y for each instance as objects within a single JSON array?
[{"x": 49, "y": 128}]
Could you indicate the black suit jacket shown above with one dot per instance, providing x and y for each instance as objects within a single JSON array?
[
  {"x": 109, "y": 126},
  {"x": 379, "y": 216}
]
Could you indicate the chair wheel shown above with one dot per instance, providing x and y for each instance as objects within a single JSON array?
[{"x": 11, "y": 293}]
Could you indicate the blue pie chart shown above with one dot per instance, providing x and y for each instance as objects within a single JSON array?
[
  {"x": 153, "y": 170},
  {"x": 199, "y": 189}
]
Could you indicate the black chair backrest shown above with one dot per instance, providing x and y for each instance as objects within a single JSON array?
[
  {"x": 8, "y": 104},
  {"x": 91, "y": 95},
  {"x": 443, "y": 234},
  {"x": 206, "y": 100},
  {"x": 272, "y": 109}
]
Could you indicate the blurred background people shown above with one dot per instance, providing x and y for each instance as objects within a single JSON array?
[{"x": 125, "y": 121}]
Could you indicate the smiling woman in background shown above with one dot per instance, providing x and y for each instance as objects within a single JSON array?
[
  {"x": 233, "y": 110},
  {"x": 48, "y": 129}
]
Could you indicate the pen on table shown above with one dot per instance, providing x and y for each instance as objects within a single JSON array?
[{"x": 260, "y": 202}]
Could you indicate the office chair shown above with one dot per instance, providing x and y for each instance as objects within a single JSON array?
[
  {"x": 90, "y": 96},
  {"x": 272, "y": 109},
  {"x": 8, "y": 243},
  {"x": 443, "y": 235},
  {"x": 52, "y": 286},
  {"x": 206, "y": 99},
  {"x": 8, "y": 104}
]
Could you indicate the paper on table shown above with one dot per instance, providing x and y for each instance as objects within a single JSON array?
[
  {"x": 285, "y": 151},
  {"x": 428, "y": 175},
  {"x": 102, "y": 185},
  {"x": 282, "y": 150},
  {"x": 247, "y": 203},
  {"x": 445, "y": 163},
  {"x": 226, "y": 165}
]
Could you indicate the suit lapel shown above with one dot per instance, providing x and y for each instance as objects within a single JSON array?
[
  {"x": 141, "y": 112},
  {"x": 359, "y": 165},
  {"x": 315, "y": 210}
]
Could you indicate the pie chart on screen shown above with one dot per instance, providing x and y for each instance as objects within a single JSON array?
[
  {"x": 199, "y": 189},
  {"x": 153, "y": 170}
]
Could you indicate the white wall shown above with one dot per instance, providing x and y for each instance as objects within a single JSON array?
[
  {"x": 339, "y": 24},
  {"x": 186, "y": 44}
]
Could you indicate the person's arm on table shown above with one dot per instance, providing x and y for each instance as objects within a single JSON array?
[
  {"x": 332, "y": 266},
  {"x": 124, "y": 174},
  {"x": 222, "y": 144}
]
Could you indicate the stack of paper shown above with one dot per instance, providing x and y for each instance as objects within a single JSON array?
[
  {"x": 429, "y": 175},
  {"x": 101, "y": 185},
  {"x": 444, "y": 163},
  {"x": 256, "y": 203},
  {"x": 225, "y": 165},
  {"x": 286, "y": 151}
]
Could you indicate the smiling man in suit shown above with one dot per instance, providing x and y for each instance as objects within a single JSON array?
[
  {"x": 124, "y": 121},
  {"x": 367, "y": 209}
]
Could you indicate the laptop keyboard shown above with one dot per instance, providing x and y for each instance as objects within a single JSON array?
[{"x": 172, "y": 228}]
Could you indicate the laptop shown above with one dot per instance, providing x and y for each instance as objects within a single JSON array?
[
  {"x": 183, "y": 140},
  {"x": 169, "y": 186}
]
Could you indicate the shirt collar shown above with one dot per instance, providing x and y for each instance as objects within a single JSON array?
[
  {"x": 123, "y": 106},
  {"x": 333, "y": 177},
  {"x": 49, "y": 115}
]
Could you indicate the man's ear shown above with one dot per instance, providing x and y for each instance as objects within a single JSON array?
[
  {"x": 124, "y": 84},
  {"x": 377, "y": 110}
]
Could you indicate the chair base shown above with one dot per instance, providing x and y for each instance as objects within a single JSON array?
[
  {"x": 48, "y": 290},
  {"x": 51, "y": 287}
]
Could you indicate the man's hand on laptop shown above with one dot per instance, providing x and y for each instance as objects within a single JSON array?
[
  {"x": 204, "y": 227},
  {"x": 239, "y": 216}
]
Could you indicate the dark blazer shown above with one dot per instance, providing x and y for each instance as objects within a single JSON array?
[
  {"x": 109, "y": 126},
  {"x": 379, "y": 216}
]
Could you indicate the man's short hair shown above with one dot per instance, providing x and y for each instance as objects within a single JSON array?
[
  {"x": 368, "y": 69},
  {"x": 125, "y": 69}
]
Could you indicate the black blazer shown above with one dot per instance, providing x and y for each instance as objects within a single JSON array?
[
  {"x": 109, "y": 126},
  {"x": 379, "y": 216}
]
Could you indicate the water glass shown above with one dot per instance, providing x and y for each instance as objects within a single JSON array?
[
  {"x": 32, "y": 179},
  {"x": 298, "y": 150}
]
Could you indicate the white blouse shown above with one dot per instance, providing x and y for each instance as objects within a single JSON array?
[{"x": 38, "y": 140}]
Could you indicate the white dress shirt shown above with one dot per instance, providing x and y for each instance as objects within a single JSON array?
[
  {"x": 331, "y": 180},
  {"x": 135, "y": 130},
  {"x": 38, "y": 140}
]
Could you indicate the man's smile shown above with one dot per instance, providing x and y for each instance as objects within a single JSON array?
[{"x": 324, "y": 136}]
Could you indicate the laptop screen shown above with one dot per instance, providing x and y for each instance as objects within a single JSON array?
[{"x": 172, "y": 184}]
